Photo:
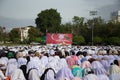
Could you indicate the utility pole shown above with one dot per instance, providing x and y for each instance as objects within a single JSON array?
[
  {"x": 93, "y": 13},
  {"x": 4, "y": 34}
]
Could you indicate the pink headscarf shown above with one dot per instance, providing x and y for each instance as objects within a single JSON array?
[
  {"x": 70, "y": 62},
  {"x": 86, "y": 64},
  {"x": 75, "y": 57}
]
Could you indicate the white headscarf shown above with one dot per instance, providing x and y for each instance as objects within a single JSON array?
[
  {"x": 64, "y": 73},
  {"x": 90, "y": 77},
  {"x": 103, "y": 77},
  {"x": 98, "y": 68},
  {"x": 62, "y": 63},
  {"x": 21, "y": 61},
  {"x": 44, "y": 60},
  {"x": 11, "y": 67},
  {"x": 49, "y": 75},
  {"x": 35, "y": 63},
  {"x": 52, "y": 63},
  {"x": 33, "y": 75},
  {"x": 17, "y": 75}
]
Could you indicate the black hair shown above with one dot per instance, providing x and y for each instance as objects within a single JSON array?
[
  {"x": 72, "y": 52},
  {"x": 79, "y": 53},
  {"x": 31, "y": 52},
  {"x": 116, "y": 62},
  {"x": 91, "y": 72},
  {"x": 67, "y": 53},
  {"x": 84, "y": 53},
  {"x": 28, "y": 58}
]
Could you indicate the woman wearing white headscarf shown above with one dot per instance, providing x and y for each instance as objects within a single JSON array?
[
  {"x": 33, "y": 75},
  {"x": 13, "y": 72},
  {"x": 103, "y": 77},
  {"x": 22, "y": 65},
  {"x": 105, "y": 64},
  {"x": 35, "y": 64},
  {"x": 111, "y": 59},
  {"x": 49, "y": 74},
  {"x": 99, "y": 70},
  {"x": 17, "y": 75},
  {"x": 11, "y": 66},
  {"x": 51, "y": 69},
  {"x": 44, "y": 60},
  {"x": 52, "y": 63},
  {"x": 64, "y": 74},
  {"x": 21, "y": 61},
  {"x": 62, "y": 63}
]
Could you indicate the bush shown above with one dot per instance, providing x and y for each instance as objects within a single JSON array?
[
  {"x": 78, "y": 40},
  {"x": 114, "y": 41},
  {"x": 97, "y": 40}
]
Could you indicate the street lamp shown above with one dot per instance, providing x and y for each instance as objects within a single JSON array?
[
  {"x": 4, "y": 34},
  {"x": 93, "y": 13}
]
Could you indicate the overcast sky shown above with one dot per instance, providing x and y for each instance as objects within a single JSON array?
[{"x": 20, "y": 13}]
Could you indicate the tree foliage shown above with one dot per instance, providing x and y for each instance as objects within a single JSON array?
[
  {"x": 15, "y": 35},
  {"x": 97, "y": 40},
  {"x": 48, "y": 20},
  {"x": 78, "y": 20},
  {"x": 34, "y": 33},
  {"x": 78, "y": 40},
  {"x": 114, "y": 41}
]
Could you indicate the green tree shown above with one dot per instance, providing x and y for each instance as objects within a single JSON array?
[
  {"x": 34, "y": 34},
  {"x": 38, "y": 39},
  {"x": 97, "y": 40},
  {"x": 78, "y": 40},
  {"x": 114, "y": 40},
  {"x": 78, "y": 23},
  {"x": 66, "y": 28},
  {"x": 78, "y": 20},
  {"x": 48, "y": 19},
  {"x": 15, "y": 35}
]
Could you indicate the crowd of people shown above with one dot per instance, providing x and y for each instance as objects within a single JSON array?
[{"x": 49, "y": 62}]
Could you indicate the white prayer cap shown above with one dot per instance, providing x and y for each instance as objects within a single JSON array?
[
  {"x": 43, "y": 49},
  {"x": 89, "y": 51},
  {"x": 13, "y": 49},
  {"x": 39, "y": 50},
  {"x": 52, "y": 52},
  {"x": 25, "y": 53}
]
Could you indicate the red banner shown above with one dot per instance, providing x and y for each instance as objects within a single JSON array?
[{"x": 53, "y": 38}]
